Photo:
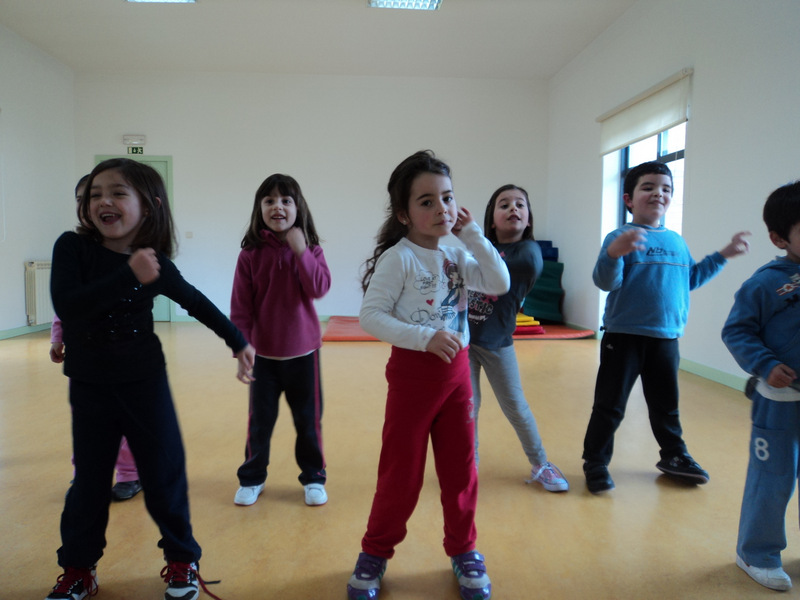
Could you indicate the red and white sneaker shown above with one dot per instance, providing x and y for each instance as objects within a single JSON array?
[
  {"x": 182, "y": 581},
  {"x": 74, "y": 584}
]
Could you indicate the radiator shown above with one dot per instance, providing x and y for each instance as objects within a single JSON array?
[{"x": 38, "y": 304}]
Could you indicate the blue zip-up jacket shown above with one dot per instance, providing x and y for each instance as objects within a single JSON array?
[
  {"x": 649, "y": 288},
  {"x": 763, "y": 327}
]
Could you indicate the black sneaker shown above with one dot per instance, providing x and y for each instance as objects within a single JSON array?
[
  {"x": 125, "y": 490},
  {"x": 683, "y": 467},
  {"x": 598, "y": 480},
  {"x": 181, "y": 580},
  {"x": 74, "y": 584}
]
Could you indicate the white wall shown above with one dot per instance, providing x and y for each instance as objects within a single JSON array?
[
  {"x": 742, "y": 140},
  {"x": 37, "y": 164},
  {"x": 340, "y": 137}
]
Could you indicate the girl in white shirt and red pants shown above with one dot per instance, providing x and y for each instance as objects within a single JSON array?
[{"x": 416, "y": 299}]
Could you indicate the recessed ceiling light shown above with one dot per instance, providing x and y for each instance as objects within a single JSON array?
[{"x": 412, "y": 4}]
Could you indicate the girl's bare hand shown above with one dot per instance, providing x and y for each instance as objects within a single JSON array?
[
  {"x": 296, "y": 240},
  {"x": 144, "y": 264},
  {"x": 445, "y": 345},
  {"x": 57, "y": 352},
  {"x": 464, "y": 218},
  {"x": 246, "y": 357}
]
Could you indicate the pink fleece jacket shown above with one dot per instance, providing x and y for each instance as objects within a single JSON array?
[{"x": 273, "y": 297}]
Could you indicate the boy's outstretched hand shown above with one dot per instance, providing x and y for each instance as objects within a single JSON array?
[
  {"x": 246, "y": 357},
  {"x": 627, "y": 242},
  {"x": 739, "y": 245}
]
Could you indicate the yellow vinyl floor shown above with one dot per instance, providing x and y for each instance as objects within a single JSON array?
[{"x": 651, "y": 538}]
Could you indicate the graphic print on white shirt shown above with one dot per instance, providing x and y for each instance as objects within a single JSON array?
[{"x": 452, "y": 312}]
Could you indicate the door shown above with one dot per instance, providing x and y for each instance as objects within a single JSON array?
[{"x": 162, "y": 306}]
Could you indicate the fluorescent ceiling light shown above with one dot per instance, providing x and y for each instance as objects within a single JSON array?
[
  {"x": 412, "y": 4},
  {"x": 165, "y": 1}
]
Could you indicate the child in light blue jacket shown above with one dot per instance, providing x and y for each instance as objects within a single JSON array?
[
  {"x": 763, "y": 335},
  {"x": 648, "y": 271}
]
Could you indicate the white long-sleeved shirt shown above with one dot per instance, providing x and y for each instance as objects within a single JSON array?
[{"x": 415, "y": 292}]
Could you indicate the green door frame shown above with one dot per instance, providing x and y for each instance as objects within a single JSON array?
[{"x": 163, "y": 307}]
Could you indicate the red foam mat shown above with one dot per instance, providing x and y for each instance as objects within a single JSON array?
[{"x": 347, "y": 329}]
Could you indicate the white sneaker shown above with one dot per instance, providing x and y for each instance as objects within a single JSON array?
[
  {"x": 315, "y": 494},
  {"x": 248, "y": 494},
  {"x": 774, "y": 579}
]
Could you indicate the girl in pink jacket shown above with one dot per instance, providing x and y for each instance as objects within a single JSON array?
[{"x": 281, "y": 270}]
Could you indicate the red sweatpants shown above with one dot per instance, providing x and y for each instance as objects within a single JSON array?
[{"x": 427, "y": 397}]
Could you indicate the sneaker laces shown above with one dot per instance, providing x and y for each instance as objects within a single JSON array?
[
  {"x": 178, "y": 572},
  {"x": 70, "y": 577},
  {"x": 547, "y": 472},
  {"x": 684, "y": 460},
  {"x": 535, "y": 476}
]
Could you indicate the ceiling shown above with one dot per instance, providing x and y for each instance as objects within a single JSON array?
[{"x": 509, "y": 39}]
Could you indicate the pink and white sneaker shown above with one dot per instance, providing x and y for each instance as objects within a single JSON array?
[{"x": 550, "y": 476}]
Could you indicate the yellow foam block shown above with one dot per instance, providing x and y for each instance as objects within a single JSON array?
[{"x": 526, "y": 320}]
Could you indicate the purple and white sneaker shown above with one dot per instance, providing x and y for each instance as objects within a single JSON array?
[
  {"x": 472, "y": 578},
  {"x": 365, "y": 582}
]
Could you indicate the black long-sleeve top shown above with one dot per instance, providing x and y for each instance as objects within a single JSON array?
[{"x": 107, "y": 316}]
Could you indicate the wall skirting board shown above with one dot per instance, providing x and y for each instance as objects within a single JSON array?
[{"x": 733, "y": 381}]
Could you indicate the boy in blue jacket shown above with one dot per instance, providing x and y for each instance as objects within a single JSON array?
[
  {"x": 762, "y": 334},
  {"x": 648, "y": 271}
]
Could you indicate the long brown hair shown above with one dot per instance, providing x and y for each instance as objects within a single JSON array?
[
  {"x": 287, "y": 186},
  {"x": 157, "y": 230},
  {"x": 399, "y": 187},
  {"x": 488, "y": 217}
]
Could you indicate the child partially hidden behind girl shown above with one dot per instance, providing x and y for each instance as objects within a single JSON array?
[
  {"x": 104, "y": 280},
  {"x": 416, "y": 299},
  {"x": 492, "y": 320}
]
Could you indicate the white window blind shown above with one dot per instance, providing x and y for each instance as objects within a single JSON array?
[{"x": 664, "y": 105}]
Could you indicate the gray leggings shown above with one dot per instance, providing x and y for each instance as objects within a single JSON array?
[{"x": 503, "y": 375}]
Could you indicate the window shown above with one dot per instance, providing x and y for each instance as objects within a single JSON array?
[
  {"x": 649, "y": 126},
  {"x": 667, "y": 147}
]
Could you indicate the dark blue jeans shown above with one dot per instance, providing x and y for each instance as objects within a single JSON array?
[
  {"x": 299, "y": 379},
  {"x": 143, "y": 412},
  {"x": 624, "y": 358}
]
